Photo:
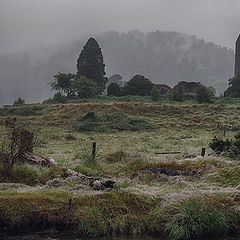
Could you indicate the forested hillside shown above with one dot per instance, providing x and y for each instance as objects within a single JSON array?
[{"x": 163, "y": 57}]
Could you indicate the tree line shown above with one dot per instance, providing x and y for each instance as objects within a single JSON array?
[{"x": 90, "y": 81}]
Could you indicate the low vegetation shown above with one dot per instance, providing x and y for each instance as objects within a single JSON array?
[
  {"x": 111, "y": 122},
  {"x": 179, "y": 196}
]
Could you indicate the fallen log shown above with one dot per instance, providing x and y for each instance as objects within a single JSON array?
[
  {"x": 33, "y": 159},
  {"x": 165, "y": 153}
]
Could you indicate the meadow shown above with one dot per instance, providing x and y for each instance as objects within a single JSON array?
[{"x": 181, "y": 196}]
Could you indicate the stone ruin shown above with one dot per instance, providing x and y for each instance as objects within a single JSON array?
[{"x": 237, "y": 57}]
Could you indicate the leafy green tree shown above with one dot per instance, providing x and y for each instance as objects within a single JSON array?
[
  {"x": 203, "y": 95},
  {"x": 177, "y": 94},
  {"x": 138, "y": 85},
  {"x": 155, "y": 93},
  {"x": 63, "y": 83},
  {"x": 19, "y": 101},
  {"x": 84, "y": 88},
  {"x": 234, "y": 87},
  {"x": 114, "y": 90},
  {"x": 59, "y": 98},
  {"x": 90, "y": 64}
]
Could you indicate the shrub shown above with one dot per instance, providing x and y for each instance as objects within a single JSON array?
[
  {"x": 114, "y": 90},
  {"x": 177, "y": 94},
  {"x": 234, "y": 87},
  {"x": 155, "y": 94},
  {"x": 138, "y": 85},
  {"x": 111, "y": 122},
  {"x": 59, "y": 98},
  {"x": 19, "y": 101},
  {"x": 203, "y": 95},
  {"x": 229, "y": 147}
]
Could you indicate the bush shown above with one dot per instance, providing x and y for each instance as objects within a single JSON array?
[
  {"x": 177, "y": 94},
  {"x": 229, "y": 147},
  {"x": 59, "y": 98},
  {"x": 155, "y": 94},
  {"x": 19, "y": 101},
  {"x": 203, "y": 95},
  {"x": 110, "y": 122},
  {"x": 138, "y": 85},
  {"x": 234, "y": 87},
  {"x": 114, "y": 90}
]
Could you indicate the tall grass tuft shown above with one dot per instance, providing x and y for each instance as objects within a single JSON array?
[{"x": 193, "y": 217}]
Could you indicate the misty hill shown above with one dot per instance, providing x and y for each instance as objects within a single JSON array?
[{"x": 163, "y": 57}]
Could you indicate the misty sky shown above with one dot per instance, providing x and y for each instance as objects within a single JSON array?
[{"x": 34, "y": 23}]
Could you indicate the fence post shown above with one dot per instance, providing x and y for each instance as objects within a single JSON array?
[
  {"x": 94, "y": 148},
  {"x": 203, "y": 152}
]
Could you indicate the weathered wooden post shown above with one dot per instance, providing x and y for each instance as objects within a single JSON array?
[
  {"x": 203, "y": 152},
  {"x": 94, "y": 148},
  {"x": 224, "y": 131}
]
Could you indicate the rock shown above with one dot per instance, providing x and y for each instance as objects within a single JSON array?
[
  {"x": 57, "y": 182},
  {"x": 108, "y": 183},
  {"x": 97, "y": 185}
]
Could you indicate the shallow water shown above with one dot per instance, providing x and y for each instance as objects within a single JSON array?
[{"x": 45, "y": 236}]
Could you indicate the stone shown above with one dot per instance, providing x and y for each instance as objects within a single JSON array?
[{"x": 237, "y": 57}]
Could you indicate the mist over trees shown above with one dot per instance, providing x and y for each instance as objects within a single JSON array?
[{"x": 165, "y": 57}]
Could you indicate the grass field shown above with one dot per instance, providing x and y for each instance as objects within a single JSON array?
[{"x": 197, "y": 197}]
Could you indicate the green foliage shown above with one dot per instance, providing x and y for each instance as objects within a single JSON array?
[
  {"x": 234, "y": 87},
  {"x": 193, "y": 217},
  {"x": 114, "y": 90},
  {"x": 203, "y": 95},
  {"x": 138, "y": 85},
  {"x": 18, "y": 102},
  {"x": 111, "y": 122},
  {"x": 59, "y": 98},
  {"x": 155, "y": 94},
  {"x": 29, "y": 174},
  {"x": 63, "y": 83},
  {"x": 177, "y": 94},
  {"x": 90, "y": 64},
  {"x": 87, "y": 156},
  {"x": 84, "y": 88},
  {"x": 229, "y": 147},
  {"x": 22, "y": 111}
]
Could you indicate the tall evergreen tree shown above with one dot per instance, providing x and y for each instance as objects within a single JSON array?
[{"x": 90, "y": 64}]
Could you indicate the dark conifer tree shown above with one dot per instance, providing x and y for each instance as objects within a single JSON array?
[{"x": 90, "y": 64}]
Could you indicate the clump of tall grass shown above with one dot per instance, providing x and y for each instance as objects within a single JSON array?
[
  {"x": 29, "y": 174},
  {"x": 193, "y": 216},
  {"x": 116, "y": 157},
  {"x": 91, "y": 220}
]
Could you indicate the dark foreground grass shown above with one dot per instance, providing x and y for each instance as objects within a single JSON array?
[{"x": 119, "y": 213}]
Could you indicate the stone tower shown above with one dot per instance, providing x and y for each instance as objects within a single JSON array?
[{"x": 237, "y": 57}]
